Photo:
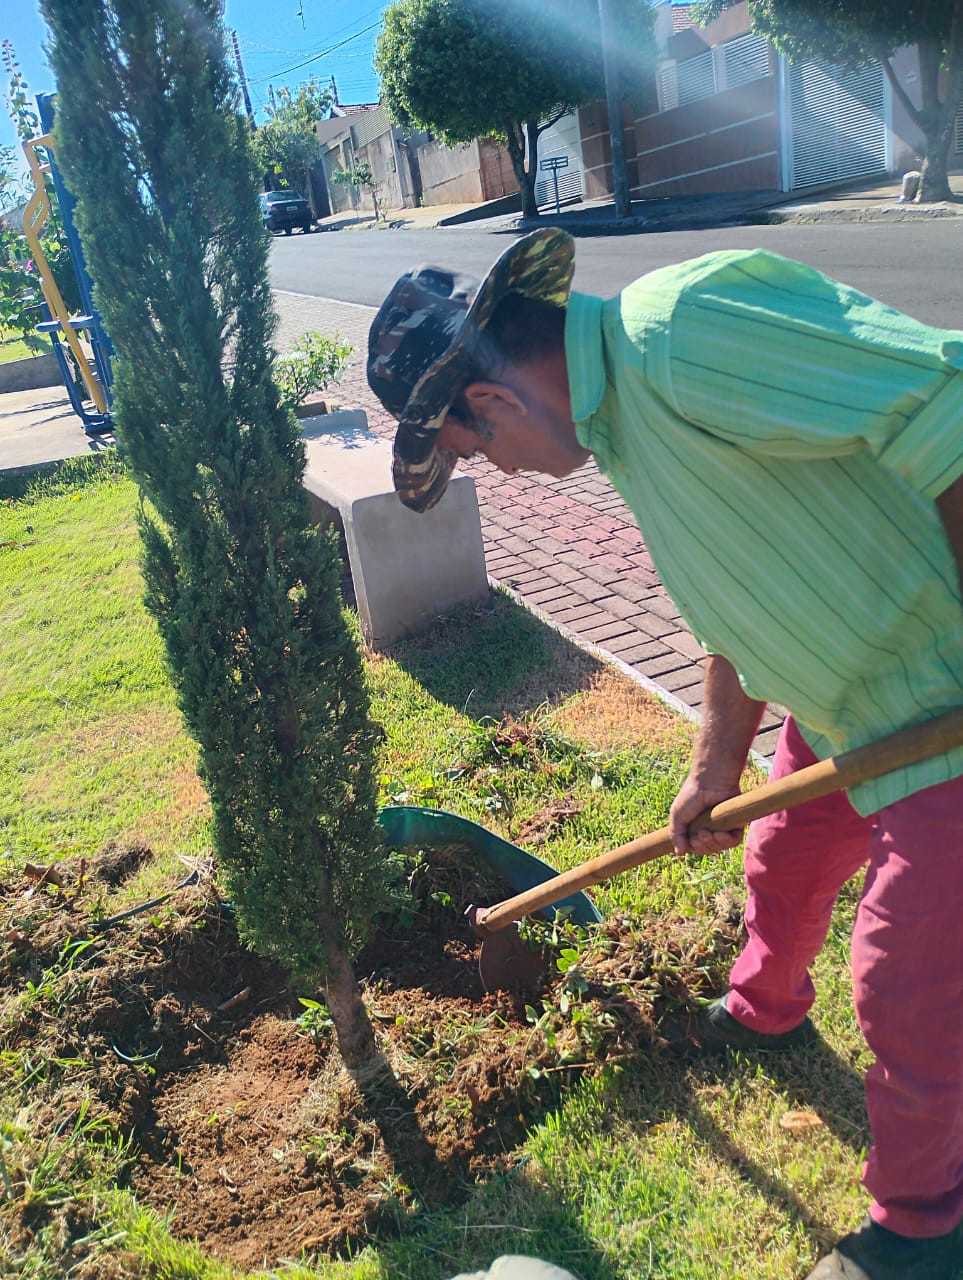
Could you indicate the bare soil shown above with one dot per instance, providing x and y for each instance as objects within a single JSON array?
[{"x": 243, "y": 1122}]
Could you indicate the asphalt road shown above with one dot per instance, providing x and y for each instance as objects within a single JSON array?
[{"x": 911, "y": 265}]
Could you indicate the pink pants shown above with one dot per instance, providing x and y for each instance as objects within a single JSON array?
[{"x": 907, "y": 963}]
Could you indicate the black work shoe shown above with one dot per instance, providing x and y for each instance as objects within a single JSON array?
[
  {"x": 719, "y": 1029},
  {"x": 871, "y": 1252}
]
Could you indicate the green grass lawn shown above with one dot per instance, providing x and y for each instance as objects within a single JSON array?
[
  {"x": 665, "y": 1169},
  {"x": 21, "y": 348}
]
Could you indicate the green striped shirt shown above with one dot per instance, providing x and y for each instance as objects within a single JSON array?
[{"x": 781, "y": 439}]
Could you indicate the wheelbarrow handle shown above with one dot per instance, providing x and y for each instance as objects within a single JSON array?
[{"x": 918, "y": 742}]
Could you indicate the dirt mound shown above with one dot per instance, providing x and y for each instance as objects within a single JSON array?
[{"x": 226, "y": 1079}]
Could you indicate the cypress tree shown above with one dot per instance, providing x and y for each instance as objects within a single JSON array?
[{"x": 244, "y": 589}]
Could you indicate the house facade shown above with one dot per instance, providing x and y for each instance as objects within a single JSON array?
[
  {"x": 409, "y": 168},
  {"x": 725, "y": 112}
]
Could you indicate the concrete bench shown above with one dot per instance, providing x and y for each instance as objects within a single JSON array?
[{"x": 406, "y": 568}]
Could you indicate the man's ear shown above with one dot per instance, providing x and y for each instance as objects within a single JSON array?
[{"x": 491, "y": 400}]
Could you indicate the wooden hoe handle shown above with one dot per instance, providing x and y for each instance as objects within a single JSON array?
[{"x": 933, "y": 737}]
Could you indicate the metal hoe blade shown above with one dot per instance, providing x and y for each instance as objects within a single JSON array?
[{"x": 506, "y": 963}]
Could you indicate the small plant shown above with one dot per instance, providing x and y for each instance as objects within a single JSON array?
[
  {"x": 314, "y": 364},
  {"x": 316, "y": 1021},
  {"x": 52, "y": 986},
  {"x": 361, "y": 177},
  {"x": 244, "y": 588}
]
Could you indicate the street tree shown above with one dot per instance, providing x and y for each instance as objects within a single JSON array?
[
  {"x": 360, "y": 177},
  {"x": 244, "y": 589},
  {"x": 286, "y": 145},
  {"x": 505, "y": 69},
  {"x": 852, "y": 35}
]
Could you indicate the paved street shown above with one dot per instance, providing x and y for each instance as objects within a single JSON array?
[{"x": 911, "y": 266}]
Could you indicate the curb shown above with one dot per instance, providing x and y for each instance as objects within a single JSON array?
[
  {"x": 889, "y": 213},
  {"x": 32, "y": 373}
]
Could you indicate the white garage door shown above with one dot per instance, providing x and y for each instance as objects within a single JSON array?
[{"x": 838, "y": 125}]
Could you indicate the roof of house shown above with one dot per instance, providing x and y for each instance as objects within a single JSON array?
[{"x": 355, "y": 109}]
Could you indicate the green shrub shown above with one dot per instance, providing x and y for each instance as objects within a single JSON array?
[
  {"x": 244, "y": 589},
  {"x": 314, "y": 364}
]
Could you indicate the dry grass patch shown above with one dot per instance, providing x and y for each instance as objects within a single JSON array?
[{"x": 612, "y": 713}]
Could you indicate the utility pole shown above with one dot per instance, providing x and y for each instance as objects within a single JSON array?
[
  {"x": 242, "y": 80},
  {"x": 613, "y": 101}
]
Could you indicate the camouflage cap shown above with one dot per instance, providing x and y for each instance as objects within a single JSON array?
[{"x": 421, "y": 343}]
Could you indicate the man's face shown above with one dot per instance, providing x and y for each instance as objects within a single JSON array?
[
  {"x": 525, "y": 424},
  {"x": 465, "y": 441}
]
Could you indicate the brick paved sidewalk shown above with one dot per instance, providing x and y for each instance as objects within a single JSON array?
[{"x": 568, "y": 548}]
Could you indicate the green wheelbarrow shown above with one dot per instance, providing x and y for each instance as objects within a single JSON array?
[
  {"x": 410, "y": 826},
  {"x": 504, "y": 960}
]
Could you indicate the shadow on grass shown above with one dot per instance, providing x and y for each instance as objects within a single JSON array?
[
  {"x": 518, "y": 663},
  {"x": 510, "y": 1214},
  {"x": 818, "y": 1079},
  {"x": 52, "y": 479},
  {"x": 814, "y": 1078},
  {"x": 545, "y": 1216}
]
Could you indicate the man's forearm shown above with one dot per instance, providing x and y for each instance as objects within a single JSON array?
[{"x": 729, "y": 723}]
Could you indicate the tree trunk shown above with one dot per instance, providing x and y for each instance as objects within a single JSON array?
[
  {"x": 532, "y": 130},
  {"x": 934, "y": 183},
  {"x": 352, "y": 1026},
  {"x": 936, "y": 121},
  {"x": 525, "y": 177},
  {"x": 934, "y": 117}
]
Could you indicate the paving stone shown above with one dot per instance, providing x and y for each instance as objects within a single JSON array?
[
  {"x": 549, "y": 594},
  {"x": 574, "y": 558},
  {"x": 684, "y": 642},
  {"x": 638, "y": 586},
  {"x": 766, "y": 741},
  {"x": 634, "y": 649},
  {"x": 599, "y": 571},
  {"x": 512, "y": 542},
  {"x": 687, "y": 677},
  {"x": 618, "y": 605},
  {"x": 586, "y": 547},
  {"x": 601, "y": 633},
  {"x": 538, "y": 558},
  {"x": 671, "y": 661},
  {"x": 566, "y": 572},
  {"x": 577, "y": 613},
  {"x": 651, "y": 625},
  {"x": 548, "y": 543},
  {"x": 663, "y": 606},
  {"x": 527, "y": 578}
]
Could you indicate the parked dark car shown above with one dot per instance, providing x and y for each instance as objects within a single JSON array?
[{"x": 285, "y": 210}]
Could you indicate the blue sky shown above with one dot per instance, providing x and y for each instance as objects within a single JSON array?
[{"x": 274, "y": 37}]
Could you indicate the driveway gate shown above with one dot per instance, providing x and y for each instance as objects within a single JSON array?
[{"x": 838, "y": 123}]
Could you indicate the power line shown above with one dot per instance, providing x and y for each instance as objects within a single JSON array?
[
  {"x": 263, "y": 50},
  {"x": 315, "y": 57}
]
